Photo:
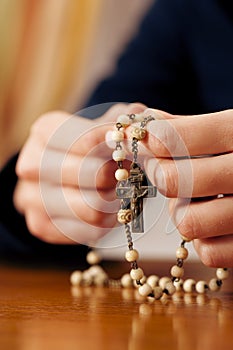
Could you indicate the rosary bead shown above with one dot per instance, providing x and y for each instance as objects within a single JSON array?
[
  {"x": 189, "y": 285},
  {"x": 124, "y": 216},
  {"x": 76, "y": 278},
  {"x": 118, "y": 136},
  {"x": 145, "y": 290},
  {"x": 131, "y": 255},
  {"x": 153, "y": 280},
  {"x": 163, "y": 281},
  {"x": 118, "y": 155},
  {"x": 93, "y": 258},
  {"x": 137, "y": 274},
  {"x": 158, "y": 292},
  {"x": 87, "y": 278},
  {"x": 186, "y": 239},
  {"x": 201, "y": 287},
  {"x": 138, "y": 117},
  {"x": 214, "y": 285},
  {"x": 170, "y": 288},
  {"x": 121, "y": 174},
  {"x": 222, "y": 273},
  {"x": 181, "y": 253},
  {"x": 178, "y": 284},
  {"x": 138, "y": 133},
  {"x": 177, "y": 271},
  {"x": 126, "y": 280},
  {"x": 124, "y": 120},
  {"x": 96, "y": 270}
]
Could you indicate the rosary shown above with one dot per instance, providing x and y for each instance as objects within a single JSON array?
[{"x": 132, "y": 187}]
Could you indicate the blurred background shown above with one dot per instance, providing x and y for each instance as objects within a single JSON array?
[{"x": 53, "y": 53}]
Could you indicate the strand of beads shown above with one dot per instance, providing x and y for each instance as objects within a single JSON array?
[
  {"x": 146, "y": 287},
  {"x": 190, "y": 285}
]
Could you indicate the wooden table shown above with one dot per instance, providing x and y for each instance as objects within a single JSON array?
[{"x": 39, "y": 311}]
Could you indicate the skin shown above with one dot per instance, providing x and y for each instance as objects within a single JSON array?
[{"x": 189, "y": 159}]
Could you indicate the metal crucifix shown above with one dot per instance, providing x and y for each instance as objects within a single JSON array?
[{"x": 132, "y": 191}]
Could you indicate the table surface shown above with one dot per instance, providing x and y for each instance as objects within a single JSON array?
[{"x": 40, "y": 310}]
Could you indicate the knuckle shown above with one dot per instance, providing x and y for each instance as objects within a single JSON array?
[{"x": 207, "y": 254}]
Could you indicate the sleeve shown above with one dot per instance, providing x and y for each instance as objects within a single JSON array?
[
  {"x": 154, "y": 68},
  {"x": 16, "y": 242}
]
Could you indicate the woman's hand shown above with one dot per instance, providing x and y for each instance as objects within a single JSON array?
[
  {"x": 193, "y": 165},
  {"x": 66, "y": 187}
]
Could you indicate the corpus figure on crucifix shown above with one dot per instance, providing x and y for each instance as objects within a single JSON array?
[{"x": 132, "y": 191}]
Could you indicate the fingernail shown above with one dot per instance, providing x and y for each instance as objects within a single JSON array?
[{"x": 109, "y": 141}]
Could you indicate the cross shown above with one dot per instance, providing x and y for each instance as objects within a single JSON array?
[{"x": 132, "y": 191}]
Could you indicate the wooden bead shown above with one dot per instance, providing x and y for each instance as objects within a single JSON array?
[
  {"x": 126, "y": 280},
  {"x": 118, "y": 155},
  {"x": 96, "y": 270},
  {"x": 153, "y": 280},
  {"x": 170, "y": 288},
  {"x": 181, "y": 253},
  {"x": 189, "y": 285},
  {"x": 186, "y": 239},
  {"x": 76, "y": 278},
  {"x": 177, "y": 271},
  {"x": 214, "y": 285},
  {"x": 145, "y": 290},
  {"x": 201, "y": 287},
  {"x": 121, "y": 174},
  {"x": 118, "y": 136},
  {"x": 131, "y": 255},
  {"x": 137, "y": 274},
  {"x": 138, "y": 118},
  {"x": 93, "y": 258},
  {"x": 158, "y": 292},
  {"x": 163, "y": 281},
  {"x": 222, "y": 273},
  {"x": 138, "y": 133},
  {"x": 124, "y": 120},
  {"x": 178, "y": 284},
  {"x": 87, "y": 278},
  {"x": 124, "y": 216}
]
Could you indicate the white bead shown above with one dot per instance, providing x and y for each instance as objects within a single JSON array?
[
  {"x": 136, "y": 274},
  {"x": 178, "y": 284},
  {"x": 214, "y": 285},
  {"x": 76, "y": 278},
  {"x": 118, "y": 155},
  {"x": 96, "y": 270},
  {"x": 100, "y": 280},
  {"x": 87, "y": 278},
  {"x": 121, "y": 174},
  {"x": 158, "y": 292},
  {"x": 163, "y": 281},
  {"x": 142, "y": 281},
  {"x": 93, "y": 258},
  {"x": 177, "y": 271},
  {"x": 118, "y": 135},
  {"x": 145, "y": 290},
  {"x": 126, "y": 280},
  {"x": 188, "y": 285},
  {"x": 124, "y": 216},
  {"x": 186, "y": 239},
  {"x": 181, "y": 253},
  {"x": 170, "y": 288},
  {"x": 201, "y": 287},
  {"x": 124, "y": 120},
  {"x": 131, "y": 255},
  {"x": 138, "y": 118},
  {"x": 153, "y": 280},
  {"x": 222, "y": 274},
  {"x": 138, "y": 133}
]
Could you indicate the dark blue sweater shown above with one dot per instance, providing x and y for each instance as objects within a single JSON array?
[{"x": 181, "y": 61}]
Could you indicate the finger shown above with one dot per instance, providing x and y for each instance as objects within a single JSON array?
[
  {"x": 65, "y": 132},
  {"x": 198, "y": 177},
  {"x": 192, "y": 135},
  {"x": 203, "y": 219},
  {"x": 216, "y": 252}
]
